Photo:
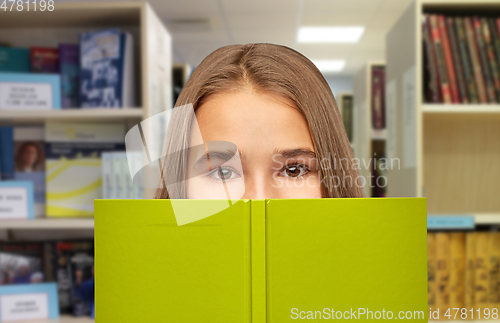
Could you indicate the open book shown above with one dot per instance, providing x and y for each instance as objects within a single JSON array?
[{"x": 261, "y": 260}]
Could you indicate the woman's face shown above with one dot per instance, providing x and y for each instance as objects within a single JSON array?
[
  {"x": 29, "y": 156},
  {"x": 275, "y": 156}
]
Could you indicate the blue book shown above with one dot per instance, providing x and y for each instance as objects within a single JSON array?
[
  {"x": 69, "y": 65},
  {"x": 14, "y": 59},
  {"x": 23, "y": 91},
  {"x": 6, "y": 153},
  {"x": 106, "y": 74}
]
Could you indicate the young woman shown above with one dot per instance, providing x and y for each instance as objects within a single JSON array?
[{"x": 275, "y": 106}]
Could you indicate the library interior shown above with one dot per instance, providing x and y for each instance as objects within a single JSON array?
[{"x": 416, "y": 88}]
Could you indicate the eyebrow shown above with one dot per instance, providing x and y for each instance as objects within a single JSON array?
[
  {"x": 294, "y": 153},
  {"x": 215, "y": 155}
]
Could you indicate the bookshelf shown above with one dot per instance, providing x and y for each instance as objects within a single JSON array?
[
  {"x": 367, "y": 140},
  {"x": 448, "y": 152},
  {"x": 152, "y": 59}
]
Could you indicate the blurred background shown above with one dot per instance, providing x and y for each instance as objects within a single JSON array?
[{"x": 417, "y": 84}]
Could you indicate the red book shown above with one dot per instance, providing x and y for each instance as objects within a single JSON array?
[
  {"x": 440, "y": 59},
  {"x": 44, "y": 60},
  {"x": 476, "y": 63},
  {"x": 448, "y": 59}
]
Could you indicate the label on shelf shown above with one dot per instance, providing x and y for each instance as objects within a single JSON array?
[
  {"x": 450, "y": 222},
  {"x": 23, "y": 307},
  {"x": 14, "y": 202},
  {"x": 29, "y": 96}
]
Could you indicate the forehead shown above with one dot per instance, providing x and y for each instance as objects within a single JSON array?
[{"x": 253, "y": 120}]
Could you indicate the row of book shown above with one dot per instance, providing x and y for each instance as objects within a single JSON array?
[
  {"x": 463, "y": 271},
  {"x": 68, "y": 263},
  {"x": 67, "y": 164},
  {"x": 462, "y": 59},
  {"x": 97, "y": 72}
]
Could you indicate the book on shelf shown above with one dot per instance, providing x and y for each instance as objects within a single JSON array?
[
  {"x": 44, "y": 60},
  {"x": 69, "y": 66},
  {"x": 14, "y": 60},
  {"x": 73, "y": 165},
  {"x": 6, "y": 153},
  {"x": 378, "y": 97},
  {"x": 467, "y": 272},
  {"x": 461, "y": 59},
  {"x": 117, "y": 182},
  {"x": 106, "y": 76},
  {"x": 347, "y": 115},
  {"x": 29, "y": 161}
]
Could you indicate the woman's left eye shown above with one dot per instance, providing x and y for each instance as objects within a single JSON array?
[
  {"x": 223, "y": 174},
  {"x": 294, "y": 171}
]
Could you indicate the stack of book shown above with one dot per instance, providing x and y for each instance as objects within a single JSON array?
[
  {"x": 464, "y": 273},
  {"x": 461, "y": 58},
  {"x": 96, "y": 73}
]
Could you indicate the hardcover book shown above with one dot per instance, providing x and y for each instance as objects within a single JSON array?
[
  {"x": 29, "y": 160},
  {"x": 69, "y": 65},
  {"x": 14, "y": 59},
  {"x": 378, "y": 97},
  {"x": 73, "y": 164},
  {"x": 44, "y": 60},
  {"x": 264, "y": 260},
  {"x": 107, "y": 78}
]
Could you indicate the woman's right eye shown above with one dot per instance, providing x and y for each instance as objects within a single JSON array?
[{"x": 223, "y": 174}]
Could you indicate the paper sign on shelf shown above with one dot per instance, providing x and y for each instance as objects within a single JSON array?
[
  {"x": 16, "y": 200},
  {"x": 29, "y": 302},
  {"x": 24, "y": 307}
]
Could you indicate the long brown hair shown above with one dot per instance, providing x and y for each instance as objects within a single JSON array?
[{"x": 282, "y": 71}]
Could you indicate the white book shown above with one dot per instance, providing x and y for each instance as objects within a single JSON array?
[{"x": 107, "y": 176}]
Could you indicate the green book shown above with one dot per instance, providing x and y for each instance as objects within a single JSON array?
[{"x": 261, "y": 260}]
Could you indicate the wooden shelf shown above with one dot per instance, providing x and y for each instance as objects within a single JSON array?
[
  {"x": 49, "y": 224},
  {"x": 65, "y": 319},
  {"x": 460, "y": 108},
  {"x": 71, "y": 114}
]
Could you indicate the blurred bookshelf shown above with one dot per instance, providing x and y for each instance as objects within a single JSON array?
[
  {"x": 448, "y": 152},
  {"x": 369, "y": 141},
  {"x": 153, "y": 91}
]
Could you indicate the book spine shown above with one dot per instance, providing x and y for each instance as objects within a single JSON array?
[
  {"x": 481, "y": 273},
  {"x": 452, "y": 80},
  {"x": 6, "y": 153},
  {"x": 466, "y": 61},
  {"x": 457, "y": 60},
  {"x": 436, "y": 39},
  {"x": 433, "y": 72},
  {"x": 457, "y": 270},
  {"x": 476, "y": 64},
  {"x": 377, "y": 94},
  {"x": 490, "y": 89},
  {"x": 470, "y": 266},
  {"x": 494, "y": 271},
  {"x": 442, "y": 272},
  {"x": 495, "y": 40},
  {"x": 495, "y": 73},
  {"x": 431, "y": 270}
]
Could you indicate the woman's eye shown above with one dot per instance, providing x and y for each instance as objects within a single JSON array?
[
  {"x": 223, "y": 174},
  {"x": 294, "y": 171}
]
